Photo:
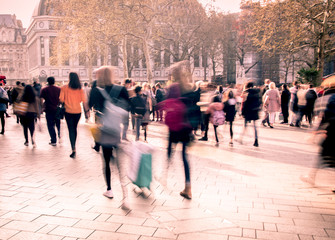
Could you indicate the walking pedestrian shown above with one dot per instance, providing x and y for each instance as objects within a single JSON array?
[
  {"x": 110, "y": 142},
  {"x": 285, "y": 100},
  {"x": 250, "y": 108},
  {"x": 179, "y": 128},
  {"x": 311, "y": 97},
  {"x": 264, "y": 90},
  {"x": 138, "y": 110},
  {"x": 33, "y": 112},
  {"x": 72, "y": 95},
  {"x": 3, "y": 107},
  {"x": 216, "y": 109},
  {"x": 272, "y": 103},
  {"x": 294, "y": 103},
  {"x": 230, "y": 110},
  {"x": 16, "y": 96},
  {"x": 49, "y": 102}
]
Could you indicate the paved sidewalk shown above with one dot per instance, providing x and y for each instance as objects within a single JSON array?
[{"x": 239, "y": 192}]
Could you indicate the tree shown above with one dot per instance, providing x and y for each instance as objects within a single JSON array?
[{"x": 290, "y": 26}]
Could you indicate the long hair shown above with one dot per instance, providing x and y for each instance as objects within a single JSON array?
[
  {"x": 180, "y": 72},
  {"x": 29, "y": 94},
  {"x": 74, "y": 82},
  {"x": 105, "y": 76}
]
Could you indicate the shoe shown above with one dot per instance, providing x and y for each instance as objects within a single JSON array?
[
  {"x": 283, "y": 122},
  {"x": 231, "y": 144},
  {"x": 2, "y": 132},
  {"x": 291, "y": 125},
  {"x": 186, "y": 193},
  {"x": 271, "y": 126},
  {"x": 8, "y": 116},
  {"x": 73, "y": 155},
  {"x": 307, "y": 179},
  {"x": 217, "y": 144},
  {"x": 26, "y": 144},
  {"x": 96, "y": 148},
  {"x": 256, "y": 143},
  {"x": 203, "y": 139},
  {"x": 34, "y": 144},
  {"x": 108, "y": 194},
  {"x": 333, "y": 190},
  {"x": 52, "y": 144},
  {"x": 263, "y": 123},
  {"x": 125, "y": 205},
  {"x": 125, "y": 139}
]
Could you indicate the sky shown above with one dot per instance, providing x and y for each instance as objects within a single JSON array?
[{"x": 23, "y": 9}]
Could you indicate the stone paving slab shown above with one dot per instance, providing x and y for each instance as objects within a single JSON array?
[{"x": 239, "y": 192}]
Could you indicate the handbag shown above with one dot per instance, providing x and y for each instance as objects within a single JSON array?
[
  {"x": 60, "y": 111},
  {"x": 21, "y": 108}
]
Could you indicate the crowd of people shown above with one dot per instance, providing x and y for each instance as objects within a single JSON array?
[{"x": 184, "y": 107}]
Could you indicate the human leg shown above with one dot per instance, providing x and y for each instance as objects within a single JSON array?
[
  {"x": 186, "y": 193},
  {"x": 216, "y": 135},
  {"x": 72, "y": 123},
  {"x": 138, "y": 127},
  {"x": 206, "y": 124},
  {"x": 256, "y": 136},
  {"x": 2, "y": 117},
  {"x": 125, "y": 124},
  {"x": 50, "y": 117}
]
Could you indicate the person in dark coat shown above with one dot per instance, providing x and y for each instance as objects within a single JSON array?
[
  {"x": 311, "y": 97},
  {"x": 327, "y": 129},
  {"x": 230, "y": 110},
  {"x": 285, "y": 101},
  {"x": 250, "y": 108}
]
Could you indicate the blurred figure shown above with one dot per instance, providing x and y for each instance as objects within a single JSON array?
[
  {"x": 153, "y": 102},
  {"x": 72, "y": 95},
  {"x": 272, "y": 103},
  {"x": 311, "y": 97},
  {"x": 138, "y": 110},
  {"x": 250, "y": 109},
  {"x": 302, "y": 103},
  {"x": 327, "y": 129},
  {"x": 216, "y": 107},
  {"x": 230, "y": 110},
  {"x": 125, "y": 123},
  {"x": 176, "y": 106},
  {"x": 28, "y": 120},
  {"x": 264, "y": 90},
  {"x": 49, "y": 101},
  {"x": 17, "y": 95},
  {"x": 3, "y": 107},
  {"x": 284, "y": 102},
  {"x": 105, "y": 79},
  {"x": 160, "y": 96},
  {"x": 294, "y": 103}
]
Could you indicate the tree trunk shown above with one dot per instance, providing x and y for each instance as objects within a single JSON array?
[
  {"x": 147, "y": 60},
  {"x": 125, "y": 57},
  {"x": 214, "y": 70}
]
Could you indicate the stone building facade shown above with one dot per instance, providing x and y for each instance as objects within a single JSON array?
[{"x": 13, "y": 49}]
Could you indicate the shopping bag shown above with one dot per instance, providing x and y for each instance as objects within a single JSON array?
[
  {"x": 140, "y": 169},
  {"x": 95, "y": 131},
  {"x": 144, "y": 176},
  {"x": 60, "y": 111}
]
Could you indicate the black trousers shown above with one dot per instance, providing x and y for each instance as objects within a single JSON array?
[{"x": 72, "y": 121}]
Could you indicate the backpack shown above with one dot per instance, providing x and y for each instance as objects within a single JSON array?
[
  {"x": 112, "y": 114},
  {"x": 218, "y": 118},
  {"x": 175, "y": 114}
]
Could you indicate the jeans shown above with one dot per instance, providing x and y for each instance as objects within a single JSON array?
[
  {"x": 138, "y": 121},
  {"x": 184, "y": 155},
  {"x": 125, "y": 123},
  {"x": 52, "y": 121},
  {"x": 72, "y": 121}
]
